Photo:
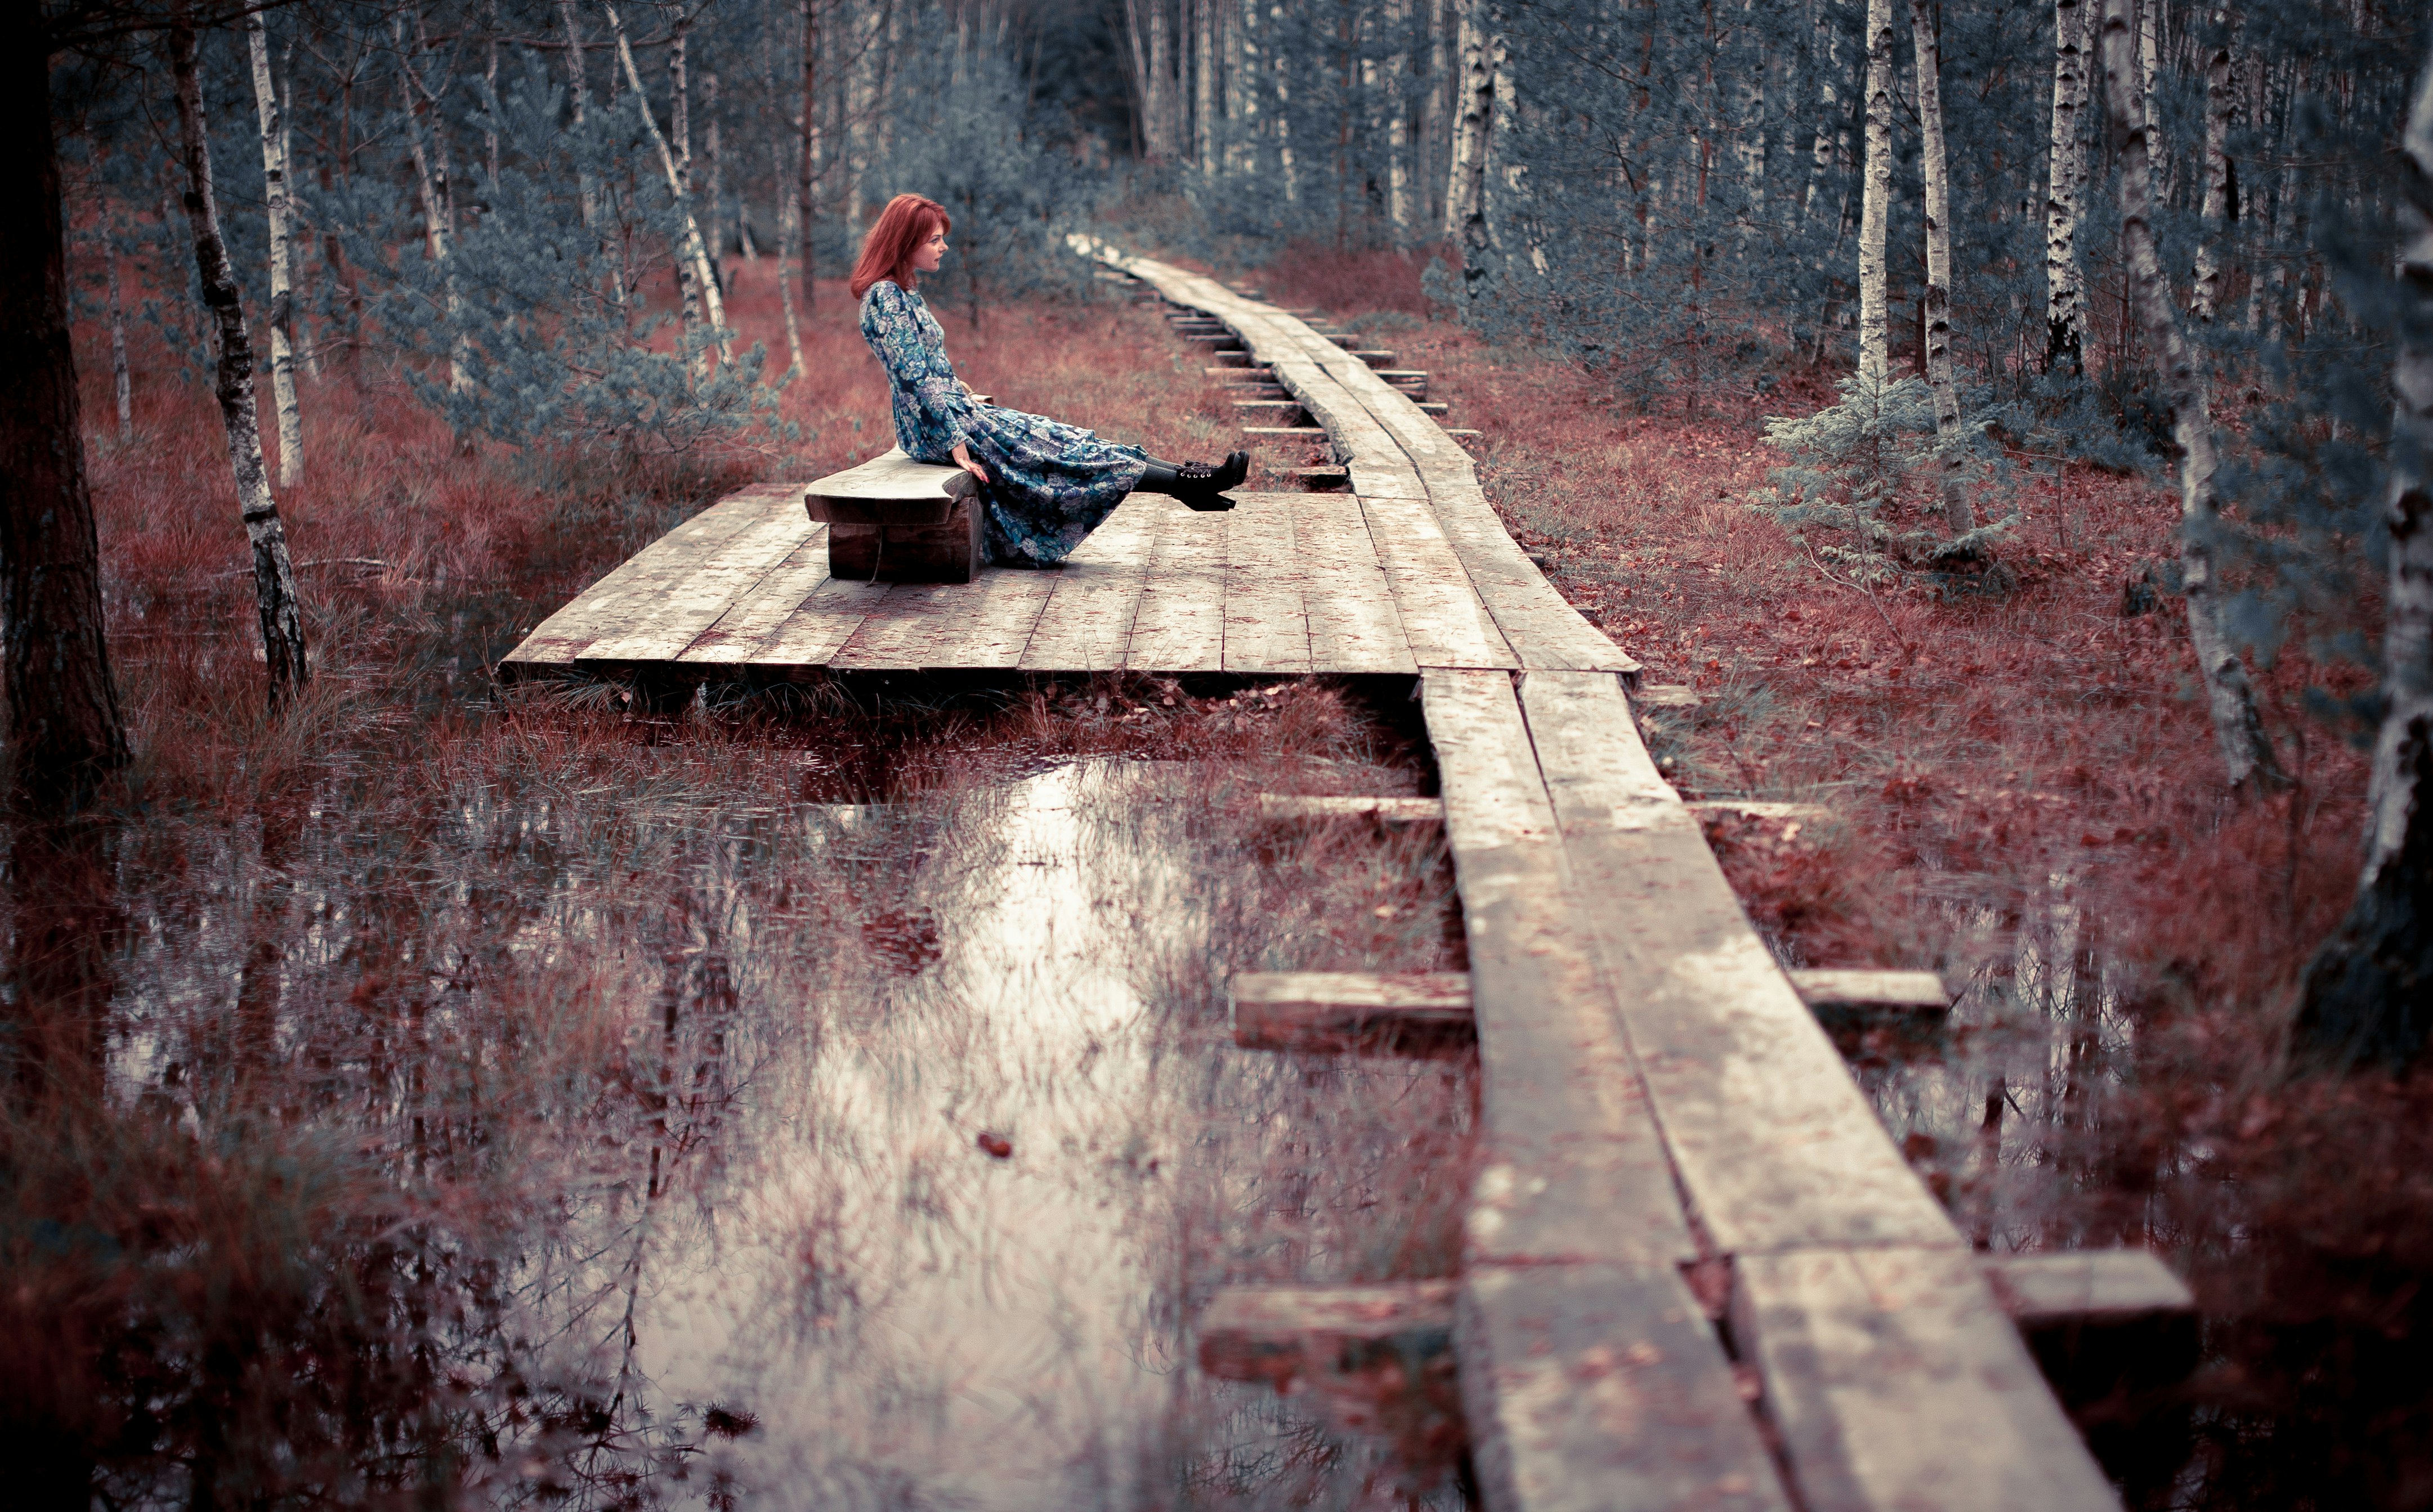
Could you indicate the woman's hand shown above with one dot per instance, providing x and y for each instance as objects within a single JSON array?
[{"x": 963, "y": 460}]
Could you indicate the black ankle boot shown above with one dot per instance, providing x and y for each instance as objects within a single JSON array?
[{"x": 1199, "y": 485}]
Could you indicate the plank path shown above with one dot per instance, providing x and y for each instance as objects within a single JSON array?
[{"x": 1657, "y": 1101}]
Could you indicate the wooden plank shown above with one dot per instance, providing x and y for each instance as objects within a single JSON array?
[
  {"x": 1298, "y": 433},
  {"x": 755, "y": 616},
  {"x": 689, "y": 598},
  {"x": 1665, "y": 695},
  {"x": 1896, "y": 1381},
  {"x": 1914, "y": 991},
  {"x": 1266, "y": 627},
  {"x": 890, "y": 489},
  {"x": 1088, "y": 621},
  {"x": 2072, "y": 1288},
  {"x": 1280, "y": 1333},
  {"x": 607, "y": 606},
  {"x": 1401, "y": 1013},
  {"x": 1601, "y": 1388},
  {"x": 1180, "y": 626},
  {"x": 820, "y": 626},
  {"x": 1279, "y": 807},
  {"x": 1354, "y": 623},
  {"x": 1442, "y": 619},
  {"x": 985, "y": 623},
  {"x": 1777, "y": 1146},
  {"x": 1571, "y": 1168},
  {"x": 1542, "y": 627}
]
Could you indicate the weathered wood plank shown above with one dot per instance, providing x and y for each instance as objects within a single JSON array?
[
  {"x": 1285, "y": 808},
  {"x": 1353, "y": 624},
  {"x": 1542, "y": 627},
  {"x": 755, "y": 616},
  {"x": 1571, "y": 1169},
  {"x": 1266, "y": 622},
  {"x": 1088, "y": 621},
  {"x": 1442, "y": 618},
  {"x": 2077, "y": 1287},
  {"x": 1278, "y": 1334},
  {"x": 1916, "y": 992},
  {"x": 1896, "y": 1381},
  {"x": 1180, "y": 626},
  {"x": 659, "y": 628},
  {"x": 1404, "y": 1012},
  {"x": 608, "y": 606},
  {"x": 1777, "y": 1146},
  {"x": 931, "y": 626},
  {"x": 1601, "y": 1388},
  {"x": 888, "y": 489},
  {"x": 810, "y": 636}
]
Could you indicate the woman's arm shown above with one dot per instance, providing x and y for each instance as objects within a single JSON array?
[
  {"x": 963, "y": 460},
  {"x": 896, "y": 336}
]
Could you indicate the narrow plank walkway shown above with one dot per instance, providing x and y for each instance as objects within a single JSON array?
[{"x": 1657, "y": 1102}]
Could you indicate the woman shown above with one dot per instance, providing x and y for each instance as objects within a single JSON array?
[{"x": 1043, "y": 486}]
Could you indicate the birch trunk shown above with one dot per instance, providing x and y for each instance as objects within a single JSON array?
[
  {"x": 1243, "y": 90},
  {"x": 806, "y": 164},
  {"x": 274, "y": 573},
  {"x": 1475, "y": 111},
  {"x": 1159, "y": 105},
  {"x": 119, "y": 386},
  {"x": 578, "y": 77},
  {"x": 1428, "y": 210},
  {"x": 695, "y": 255},
  {"x": 432, "y": 183},
  {"x": 2221, "y": 94},
  {"x": 2246, "y": 750},
  {"x": 1203, "y": 78},
  {"x": 1398, "y": 170},
  {"x": 691, "y": 277},
  {"x": 785, "y": 132},
  {"x": 65, "y": 728},
  {"x": 1875, "y": 204},
  {"x": 1957, "y": 515},
  {"x": 2367, "y": 990},
  {"x": 282, "y": 298},
  {"x": 1284, "y": 163},
  {"x": 1508, "y": 189},
  {"x": 2149, "y": 77},
  {"x": 2065, "y": 185}
]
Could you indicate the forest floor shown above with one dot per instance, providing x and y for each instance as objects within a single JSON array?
[
  {"x": 2027, "y": 797},
  {"x": 2024, "y": 797}
]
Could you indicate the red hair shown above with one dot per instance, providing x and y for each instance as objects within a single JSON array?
[{"x": 887, "y": 251}]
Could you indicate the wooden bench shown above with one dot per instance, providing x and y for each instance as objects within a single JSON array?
[{"x": 893, "y": 519}]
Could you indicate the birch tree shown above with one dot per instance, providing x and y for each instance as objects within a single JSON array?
[
  {"x": 1875, "y": 203},
  {"x": 432, "y": 182},
  {"x": 2222, "y": 95},
  {"x": 1956, "y": 511},
  {"x": 807, "y": 156},
  {"x": 2246, "y": 750},
  {"x": 64, "y": 726},
  {"x": 2367, "y": 991},
  {"x": 695, "y": 254},
  {"x": 2065, "y": 185},
  {"x": 283, "y": 301},
  {"x": 1474, "y": 109},
  {"x": 274, "y": 573}
]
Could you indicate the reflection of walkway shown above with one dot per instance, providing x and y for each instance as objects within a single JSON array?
[{"x": 904, "y": 1311}]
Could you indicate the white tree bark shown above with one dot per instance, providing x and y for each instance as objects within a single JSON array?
[
  {"x": 1397, "y": 157},
  {"x": 2222, "y": 97},
  {"x": 695, "y": 253},
  {"x": 1957, "y": 513},
  {"x": 2150, "y": 78},
  {"x": 119, "y": 386},
  {"x": 785, "y": 131},
  {"x": 1286, "y": 164},
  {"x": 1474, "y": 114},
  {"x": 1158, "y": 105},
  {"x": 282, "y": 298},
  {"x": 806, "y": 159},
  {"x": 1203, "y": 79},
  {"x": 1242, "y": 90},
  {"x": 2065, "y": 185},
  {"x": 2246, "y": 750},
  {"x": 276, "y": 601},
  {"x": 2366, "y": 990},
  {"x": 430, "y": 182},
  {"x": 1875, "y": 203}
]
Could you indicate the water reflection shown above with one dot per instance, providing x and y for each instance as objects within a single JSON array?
[{"x": 689, "y": 1131}]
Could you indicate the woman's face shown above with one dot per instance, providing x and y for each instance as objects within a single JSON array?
[{"x": 932, "y": 249}]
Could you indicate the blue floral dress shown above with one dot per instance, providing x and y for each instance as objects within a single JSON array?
[{"x": 1050, "y": 485}]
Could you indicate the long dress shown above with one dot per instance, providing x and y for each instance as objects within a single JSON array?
[{"x": 1049, "y": 483}]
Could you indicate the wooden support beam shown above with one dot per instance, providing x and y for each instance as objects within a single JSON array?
[
  {"x": 1279, "y": 807},
  {"x": 1237, "y": 359},
  {"x": 1665, "y": 695},
  {"x": 1274, "y": 1334},
  {"x": 1273, "y": 409},
  {"x": 1897, "y": 991},
  {"x": 1296, "y": 432},
  {"x": 1373, "y": 357},
  {"x": 1461, "y": 433},
  {"x": 2101, "y": 1323},
  {"x": 1239, "y": 373},
  {"x": 1401, "y": 1013},
  {"x": 1433, "y": 407},
  {"x": 1320, "y": 477}
]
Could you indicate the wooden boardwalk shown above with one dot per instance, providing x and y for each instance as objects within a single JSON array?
[{"x": 1657, "y": 1103}]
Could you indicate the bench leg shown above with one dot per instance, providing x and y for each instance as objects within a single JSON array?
[{"x": 908, "y": 553}]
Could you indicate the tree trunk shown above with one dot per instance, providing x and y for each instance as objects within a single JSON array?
[
  {"x": 120, "y": 388},
  {"x": 2150, "y": 80},
  {"x": 2246, "y": 750},
  {"x": 1466, "y": 181},
  {"x": 694, "y": 254},
  {"x": 64, "y": 726},
  {"x": 2221, "y": 94},
  {"x": 1159, "y": 104},
  {"x": 2368, "y": 992},
  {"x": 805, "y": 207},
  {"x": 1875, "y": 204},
  {"x": 1204, "y": 79},
  {"x": 1244, "y": 90},
  {"x": 282, "y": 300},
  {"x": 579, "y": 93},
  {"x": 274, "y": 573},
  {"x": 430, "y": 178},
  {"x": 2065, "y": 184},
  {"x": 1957, "y": 515},
  {"x": 1284, "y": 163}
]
